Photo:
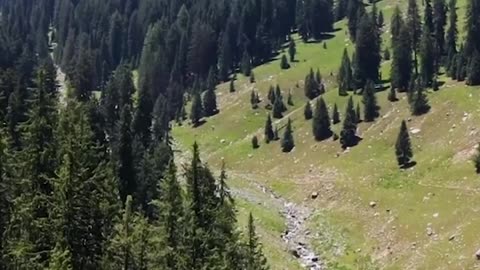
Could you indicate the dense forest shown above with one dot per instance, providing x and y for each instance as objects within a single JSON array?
[{"x": 88, "y": 178}]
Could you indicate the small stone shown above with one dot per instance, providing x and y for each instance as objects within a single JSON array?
[
  {"x": 376, "y": 214},
  {"x": 435, "y": 215},
  {"x": 451, "y": 237},
  {"x": 429, "y": 231},
  {"x": 223, "y": 141},
  {"x": 314, "y": 195},
  {"x": 477, "y": 254},
  {"x": 372, "y": 204},
  {"x": 250, "y": 155}
]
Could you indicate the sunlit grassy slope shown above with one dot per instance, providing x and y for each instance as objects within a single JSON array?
[{"x": 441, "y": 192}]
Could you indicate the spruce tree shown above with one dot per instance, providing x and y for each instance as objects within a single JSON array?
[
  {"x": 284, "y": 62},
  {"x": 428, "y": 16},
  {"x": 307, "y": 112},
  {"x": 335, "y": 115},
  {"x": 287, "y": 141},
  {"x": 419, "y": 104},
  {"x": 414, "y": 26},
  {"x": 232, "y": 85},
  {"x": 427, "y": 57},
  {"x": 290, "y": 99},
  {"x": 473, "y": 73},
  {"x": 210, "y": 102},
  {"x": 439, "y": 23},
  {"x": 278, "y": 107},
  {"x": 452, "y": 33},
  {"x": 246, "y": 64},
  {"x": 255, "y": 142},
  {"x": 271, "y": 95},
  {"x": 358, "y": 114},
  {"x": 403, "y": 147},
  {"x": 311, "y": 86},
  {"x": 392, "y": 94},
  {"x": 348, "y": 136},
  {"x": 461, "y": 65},
  {"x": 367, "y": 51},
  {"x": 269, "y": 133},
  {"x": 396, "y": 24},
  {"x": 401, "y": 69},
  {"x": 321, "y": 121},
  {"x": 255, "y": 258},
  {"x": 196, "y": 112},
  {"x": 370, "y": 107},
  {"x": 345, "y": 75},
  {"x": 254, "y": 100},
  {"x": 292, "y": 50}
]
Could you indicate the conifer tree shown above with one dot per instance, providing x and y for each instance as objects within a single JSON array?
[
  {"x": 401, "y": 70},
  {"x": 367, "y": 51},
  {"x": 452, "y": 32},
  {"x": 419, "y": 104},
  {"x": 403, "y": 148},
  {"x": 255, "y": 258},
  {"x": 278, "y": 108},
  {"x": 292, "y": 49},
  {"x": 271, "y": 95},
  {"x": 396, "y": 24},
  {"x": 269, "y": 133},
  {"x": 321, "y": 121},
  {"x": 290, "y": 99},
  {"x": 370, "y": 107},
  {"x": 142, "y": 120},
  {"x": 335, "y": 115},
  {"x": 358, "y": 114},
  {"x": 348, "y": 136},
  {"x": 414, "y": 26},
  {"x": 427, "y": 57},
  {"x": 210, "y": 102},
  {"x": 255, "y": 142},
  {"x": 307, "y": 112},
  {"x": 473, "y": 73},
  {"x": 461, "y": 65},
  {"x": 196, "y": 112},
  {"x": 392, "y": 94},
  {"x": 439, "y": 23},
  {"x": 246, "y": 64},
  {"x": 428, "y": 16},
  {"x": 232, "y": 85},
  {"x": 287, "y": 141},
  {"x": 254, "y": 100},
  {"x": 311, "y": 86},
  {"x": 284, "y": 62},
  {"x": 345, "y": 75}
]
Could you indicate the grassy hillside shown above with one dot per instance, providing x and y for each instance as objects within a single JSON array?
[{"x": 438, "y": 195}]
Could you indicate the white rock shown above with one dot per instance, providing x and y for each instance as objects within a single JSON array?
[
  {"x": 372, "y": 204},
  {"x": 435, "y": 215}
]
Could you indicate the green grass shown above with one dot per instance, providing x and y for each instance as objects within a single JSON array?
[{"x": 393, "y": 234}]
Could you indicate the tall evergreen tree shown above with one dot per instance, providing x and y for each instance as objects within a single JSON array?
[
  {"x": 427, "y": 57},
  {"x": 292, "y": 49},
  {"x": 345, "y": 76},
  {"x": 210, "y": 102},
  {"x": 307, "y": 112},
  {"x": 452, "y": 32},
  {"x": 439, "y": 23},
  {"x": 370, "y": 107},
  {"x": 473, "y": 73},
  {"x": 196, "y": 112},
  {"x": 269, "y": 134},
  {"x": 335, "y": 115},
  {"x": 321, "y": 121},
  {"x": 414, "y": 26},
  {"x": 255, "y": 258},
  {"x": 368, "y": 56},
  {"x": 401, "y": 70},
  {"x": 348, "y": 136},
  {"x": 403, "y": 148},
  {"x": 419, "y": 103},
  {"x": 288, "y": 142}
]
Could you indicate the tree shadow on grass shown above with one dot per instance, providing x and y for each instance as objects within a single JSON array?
[
  {"x": 409, "y": 165},
  {"x": 199, "y": 124}
]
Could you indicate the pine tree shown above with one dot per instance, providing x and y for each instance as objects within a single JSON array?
[
  {"x": 335, "y": 115},
  {"x": 476, "y": 161},
  {"x": 255, "y": 142},
  {"x": 396, "y": 24},
  {"x": 284, "y": 62},
  {"x": 358, "y": 114},
  {"x": 311, "y": 86},
  {"x": 290, "y": 99},
  {"x": 427, "y": 57},
  {"x": 345, "y": 75},
  {"x": 232, "y": 85},
  {"x": 255, "y": 259},
  {"x": 348, "y": 136},
  {"x": 370, "y": 107},
  {"x": 419, "y": 104},
  {"x": 401, "y": 70},
  {"x": 461, "y": 65},
  {"x": 292, "y": 49},
  {"x": 392, "y": 94},
  {"x": 321, "y": 121},
  {"x": 142, "y": 120},
  {"x": 439, "y": 23},
  {"x": 271, "y": 95},
  {"x": 368, "y": 56},
  {"x": 196, "y": 112},
  {"x": 269, "y": 133},
  {"x": 428, "y": 16},
  {"x": 414, "y": 26},
  {"x": 307, "y": 112},
  {"x": 403, "y": 148},
  {"x": 254, "y": 100},
  {"x": 452, "y": 33},
  {"x": 473, "y": 76},
  {"x": 287, "y": 141},
  {"x": 278, "y": 107},
  {"x": 246, "y": 64},
  {"x": 210, "y": 102}
]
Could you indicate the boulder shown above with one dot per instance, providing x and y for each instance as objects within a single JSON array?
[
  {"x": 451, "y": 237},
  {"x": 314, "y": 195},
  {"x": 372, "y": 204}
]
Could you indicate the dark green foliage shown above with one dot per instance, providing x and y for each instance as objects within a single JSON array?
[
  {"x": 196, "y": 112},
  {"x": 210, "y": 102},
  {"x": 292, "y": 49},
  {"x": 401, "y": 70},
  {"x": 271, "y": 94},
  {"x": 269, "y": 133},
  {"x": 255, "y": 142},
  {"x": 396, "y": 24},
  {"x": 414, "y": 26},
  {"x": 358, "y": 114},
  {"x": 392, "y": 95},
  {"x": 312, "y": 87},
  {"x": 284, "y": 62},
  {"x": 427, "y": 57},
  {"x": 321, "y": 121},
  {"x": 370, "y": 107},
  {"x": 428, "y": 16},
  {"x": 252, "y": 77},
  {"x": 278, "y": 107},
  {"x": 232, "y": 85},
  {"x": 287, "y": 140},
  {"x": 348, "y": 136},
  {"x": 472, "y": 28},
  {"x": 335, "y": 115},
  {"x": 254, "y": 100},
  {"x": 419, "y": 102},
  {"x": 255, "y": 258},
  {"x": 452, "y": 33},
  {"x": 314, "y": 18},
  {"x": 307, "y": 112},
  {"x": 246, "y": 64},
  {"x": 355, "y": 12},
  {"x": 290, "y": 99},
  {"x": 367, "y": 52},
  {"x": 403, "y": 147},
  {"x": 473, "y": 73},
  {"x": 345, "y": 76},
  {"x": 386, "y": 54},
  {"x": 439, "y": 23},
  {"x": 461, "y": 65},
  {"x": 476, "y": 162}
]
